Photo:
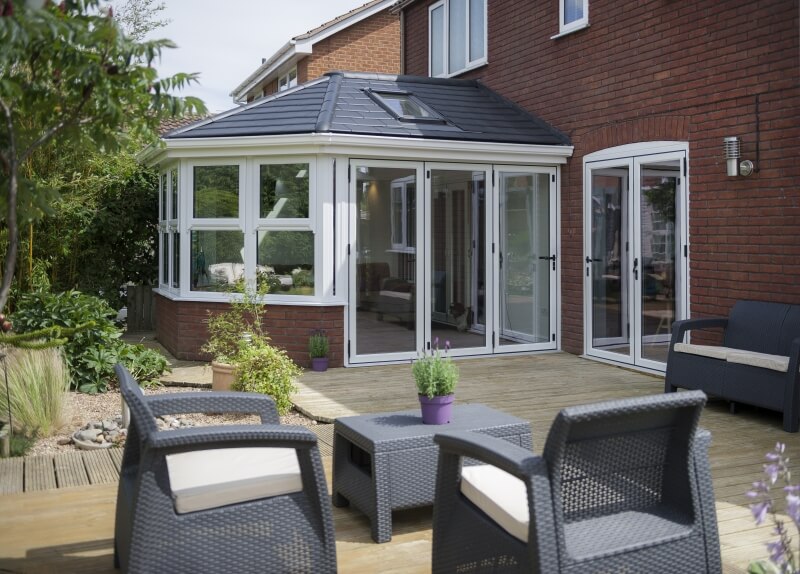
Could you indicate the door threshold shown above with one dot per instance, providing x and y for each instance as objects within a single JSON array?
[{"x": 626, "y": 366}]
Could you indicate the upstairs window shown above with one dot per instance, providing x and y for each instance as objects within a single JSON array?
[
  {"x": 457, "y": 36},
  {"x": 573, "y": 15},
  {"x": 288, "y": 80}
]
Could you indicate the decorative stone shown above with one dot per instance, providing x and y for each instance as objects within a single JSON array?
[
  {"x": 113, "y": 434},
  {"x": 97, "y": 425},
  {"x": 88, "y": 435},
  {"x": 110, "y": 426},
  {"x": 100, "y": 438},
  {"x": 64, "y": 441}
]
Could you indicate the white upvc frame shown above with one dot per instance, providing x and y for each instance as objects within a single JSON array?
[
  {"x": 255, "y": 223},
  {"x": 554, "y": 234},
  {"x": 568, "y": 27},
  {"x": 470, "y": 64},
  {"x": 632, "y": 157},
  {"x": 486, "y": 170},
  {"x": 286, "y": 81},
  {"x": 167, "y": 225}
]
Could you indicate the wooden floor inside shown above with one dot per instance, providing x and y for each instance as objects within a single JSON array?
[{"x": 71, "y": 529}]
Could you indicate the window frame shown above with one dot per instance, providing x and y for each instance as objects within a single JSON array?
[
  {"x": 470, "y": 64},
  {"x": 401, "y": 187},
  {"x": 287, "y": 77},
  {"x": 433, "y": 116},
  {"x": 566, "y": 28},
  {"x": 168, "y": 226}
]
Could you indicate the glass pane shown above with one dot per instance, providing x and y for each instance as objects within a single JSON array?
[
  {"x": 609, "y": 263},
  {"x": 437, "y": 41},
  {"x": 163, "y": 196},
  {"x": 386, "y": 289},
  {"x": 216, "y": 191},
  {"x": 659, "y": 187},
  {"x": 285, "y": 261},
  {"x": 458, "y": 35},
  {"x": 573, "y": 11},
  {"x": 458, "y": 271},
  {"x": 165, "y": 258},
  {"x": 525, "y": 264},
  {"x": 404, "y": 106},
  {"x": 217, "y": 259},
  {"x": 176, "y": 260},
  {"x": 477, "y": 29},
  {"x": 175, "y": 189},
  {"x": 284, "y": 189}
]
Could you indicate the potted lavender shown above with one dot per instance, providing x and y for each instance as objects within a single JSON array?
[
  {"x": 318, "y": 348},
  {"x": 436, "y": 376}
]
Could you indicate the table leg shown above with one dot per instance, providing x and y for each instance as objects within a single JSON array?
[{"x": 382, "y": 518}]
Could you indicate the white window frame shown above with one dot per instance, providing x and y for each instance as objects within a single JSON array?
[
  {"x": 256, "y": 223},
  {"x": 400, "y": 186},
  {"x": 470, "y": 64},
  {"x": 566, "y": 28},
  {"x": 286, "y": 81},
  {"x": 168, "y": 225}
]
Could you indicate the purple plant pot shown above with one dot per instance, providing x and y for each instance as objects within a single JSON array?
[
  {"x": 319, "y": 364},
  {"x": 436, "y": 410}
]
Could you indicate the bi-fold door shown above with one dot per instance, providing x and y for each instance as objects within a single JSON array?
[{"x": 456, "y": 253}]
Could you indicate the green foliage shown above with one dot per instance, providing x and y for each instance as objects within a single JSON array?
[
  {"x": 38, "y": 382},
  {"x": 244, "y": 318},
  {"x": 21, "y": 444},
  {"x": 92, "y": 351},
  {"x": 145, "y": 365},
  {"x": 435, "y": 375},
  {"x": 318, "y": 345},
  {"x": 262, "y": 368},
  {"x": 69, "y": 79}
]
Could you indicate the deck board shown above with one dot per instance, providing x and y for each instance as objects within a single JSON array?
[
  {"x": 11, "y": 475},
  {"x": 39, "y": 474},
  {"x": 70, "y": 470},
  {"x": 99, "y": 466},
  {"x": 116, "y": 457}
]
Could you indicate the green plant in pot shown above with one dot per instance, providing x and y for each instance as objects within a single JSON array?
[
  {"x": 436, "y": 376},
  {"x": 318, "y": 348}
]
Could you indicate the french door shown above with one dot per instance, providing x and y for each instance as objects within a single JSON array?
[
  {"x": 450, "y": 254},
  {"x": 635, "y": 256}
]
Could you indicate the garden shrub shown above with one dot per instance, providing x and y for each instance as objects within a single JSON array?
[
  {"x": 38, "y": 381},
  {"x": 262, "y": 368},
  {"x": 92, "y": 352}
]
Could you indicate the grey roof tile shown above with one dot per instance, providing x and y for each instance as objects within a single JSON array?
[{"x": 339, "y": 103}]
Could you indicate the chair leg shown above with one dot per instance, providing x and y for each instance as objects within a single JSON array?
[
  {"x": 732, "y": 407},
  {"x": 116, "y": 556}
]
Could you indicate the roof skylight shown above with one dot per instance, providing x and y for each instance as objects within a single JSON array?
[{"x": 405, "y": 106}]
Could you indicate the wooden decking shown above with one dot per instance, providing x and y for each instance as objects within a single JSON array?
[{"x": 71, "y": 529}]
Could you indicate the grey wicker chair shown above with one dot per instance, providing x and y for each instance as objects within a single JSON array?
[
  {"x": 160, "y": 530},
  {"x": 622, "y": 486}
]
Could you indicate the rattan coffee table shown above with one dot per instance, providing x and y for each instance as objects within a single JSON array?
[{"x": 387, "y": 461}]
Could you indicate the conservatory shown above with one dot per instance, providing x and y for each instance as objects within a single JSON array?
[{"x": 390, "y": 211}]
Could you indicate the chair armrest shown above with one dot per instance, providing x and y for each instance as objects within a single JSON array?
[
  {"x": 230, "y": 436},
  {"x": 506, "y": 456},
  {"x": 215, "y": 402},
  {"x": 679, "y": 328}
]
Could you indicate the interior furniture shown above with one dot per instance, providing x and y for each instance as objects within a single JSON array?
[
  {"x": 232, "y": 498},
  {"x": 622, "y": 486},
  {"x": 758, "y": 362},
  {"x": 387, "y": 461}
]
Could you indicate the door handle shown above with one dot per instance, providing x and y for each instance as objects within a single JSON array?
[
  {"x": 590, "y": 260},
  {"x": 636, "y": 269},
  {"x": 551, "y": 258}
]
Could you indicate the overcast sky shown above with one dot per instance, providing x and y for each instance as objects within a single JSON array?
[{"x": 225, "y": 40}]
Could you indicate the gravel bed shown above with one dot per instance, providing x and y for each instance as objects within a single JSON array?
[{"x": 82, "y": 408}]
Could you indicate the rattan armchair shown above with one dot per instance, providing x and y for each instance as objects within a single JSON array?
[
  {"x": 622, "y": 486},
  {"x": 233, "y": 498}
]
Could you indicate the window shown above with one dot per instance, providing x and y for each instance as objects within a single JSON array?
[
  {"x": 404, "y": 106},
  {"x": 216, "y": 191},
  {"x": 217, "y": 259},
  {"x": 169, "y": 237},
  {"x": 284, "y": 230},
  {"x": 573, "y": 15},
  {"x": 457, "y": 36},
  {"x": 403, "y": 214},
  {"x": 288, "y": 80}
]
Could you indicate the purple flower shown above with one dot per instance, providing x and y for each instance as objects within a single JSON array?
[
  {"x": 772, "y": 471},
  {"x": 793, "y": 508},
  {"x": 447, "y": 345},
  {"x": 777, "y": 553},
  {"x": 760, "y": 511},
  {"x": 436, "y": 343}
]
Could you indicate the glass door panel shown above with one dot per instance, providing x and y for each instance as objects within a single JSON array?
[
  {"x": 458, "y": 259},
  {"x": 658, "y": 251},
  {"x": 526, "y": 260},
  {"x": 385, "y": 293},
  {"x": 608, "y": 261}
]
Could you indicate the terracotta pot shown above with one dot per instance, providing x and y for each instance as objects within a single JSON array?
[
  {"x": 319, "y": 364},
  {"x": 437, "y": 410},
  {"x": 222, "y": 375}
]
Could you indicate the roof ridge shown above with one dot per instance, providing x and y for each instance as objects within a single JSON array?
[{"x": 328, "y": 107}]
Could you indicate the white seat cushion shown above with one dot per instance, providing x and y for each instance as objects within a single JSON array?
[
  {"x": 502, "y": 496},
  {"x": 712, "y": 351},
  {"x": 763, "y": 360},
  {"x": 211, "y": 478}
]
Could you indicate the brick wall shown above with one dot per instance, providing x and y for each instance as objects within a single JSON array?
[
  {"x": 372, "y": 45},
  {"x": 658, "y": 70},
  {"x": 181, "y": 328}
]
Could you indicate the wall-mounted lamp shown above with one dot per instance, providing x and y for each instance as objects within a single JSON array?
[{"x": 732, "y": 155}]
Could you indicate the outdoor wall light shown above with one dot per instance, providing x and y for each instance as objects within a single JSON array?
[{"x": 733, "y": 154}]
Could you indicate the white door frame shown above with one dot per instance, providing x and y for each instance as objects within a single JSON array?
[{"x": 632, "y": 157}]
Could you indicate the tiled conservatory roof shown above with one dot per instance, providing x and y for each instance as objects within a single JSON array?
[{"x": 345, "y": 103}]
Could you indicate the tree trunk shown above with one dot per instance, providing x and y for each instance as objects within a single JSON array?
[{"x": 10, "y": 263}]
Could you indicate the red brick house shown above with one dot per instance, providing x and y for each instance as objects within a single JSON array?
[
  {"x": 366, "y": 39},
  {"x": 582, "y": 195}
]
